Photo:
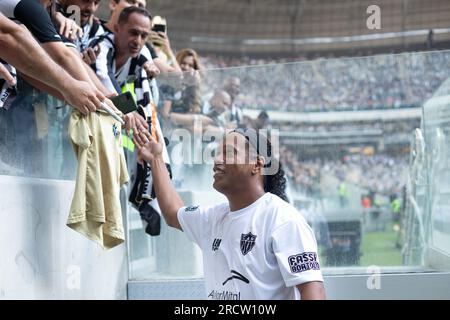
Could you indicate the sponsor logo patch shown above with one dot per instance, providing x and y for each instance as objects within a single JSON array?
[
  {"x": 303, "y": 262},
  {"x": 115, "y": 130},
  {"x": 190, "y": 209}
]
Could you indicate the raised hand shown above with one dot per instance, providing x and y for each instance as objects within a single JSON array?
[
  {"x": 148, "y": 147},
  {"x": 90, "y": 55},
  {"x": 68, "y": 27},
  {"x": 151, "y": 69}
]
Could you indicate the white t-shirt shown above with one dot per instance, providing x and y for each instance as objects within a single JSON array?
[{"x": 259, "y": 252}]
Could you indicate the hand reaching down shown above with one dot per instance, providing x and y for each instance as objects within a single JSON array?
[
  {"x": 134, "y": 121},
  {"x": 5, "y": 74},
  {"x": 83, "y": 96},
  {"x": 68, "y": 27}
]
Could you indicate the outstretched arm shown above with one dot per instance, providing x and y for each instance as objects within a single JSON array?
[
  {"x": 313, "y": 290},
  {"x": 162, "y": 40},
  {"x": 19, "y": 48},
  {"x": 168, "y": 198}
]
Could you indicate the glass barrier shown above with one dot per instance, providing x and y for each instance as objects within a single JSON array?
[
  {"x": 33, "y": 137},
  {"x": 363, "y": 167},
  {"x": 349, "y": 134},
  {"x": 436, "y": 126}
]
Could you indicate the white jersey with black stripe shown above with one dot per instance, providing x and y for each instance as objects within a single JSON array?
[{"x": 259, "y": 252}]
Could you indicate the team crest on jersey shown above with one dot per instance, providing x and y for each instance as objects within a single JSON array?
[
  {"x": 216, "y": 244},
  {"x": 190, "y": 209},
  {"x": 115, "y": 130},
  {"x": 247, "y": 242}
]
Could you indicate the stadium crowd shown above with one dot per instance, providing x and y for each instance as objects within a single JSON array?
[
  {"x": 90, "y": 62},
  {"x": 344, "y": 84},
  {"x": 381, "y": 173}
]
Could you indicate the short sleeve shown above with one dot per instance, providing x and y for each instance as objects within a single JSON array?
[
  {"x": 193, "y": 221},
  {"x": 79, "y": 131},
  {"x": 69, "y": 43},
  {"x": 33, "y": 15},
  {"x": 295, "y": 248}
]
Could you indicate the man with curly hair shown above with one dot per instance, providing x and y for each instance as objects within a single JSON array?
[{"x": 256, "y": 245}]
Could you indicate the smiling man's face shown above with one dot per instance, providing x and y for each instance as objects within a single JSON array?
[
  {"x": 131, "y": 35},
  {"x": 233, "y": 163}
]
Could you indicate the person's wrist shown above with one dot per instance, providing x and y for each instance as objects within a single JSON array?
[
  {"x": 157, "y": 159},
  {"x": 65, "y": 85}
]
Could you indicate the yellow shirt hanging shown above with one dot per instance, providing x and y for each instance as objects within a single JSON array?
[{"x": 95, "y": 211}]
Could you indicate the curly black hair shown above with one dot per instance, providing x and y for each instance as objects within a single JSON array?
[{"x": 275, "y": 182}]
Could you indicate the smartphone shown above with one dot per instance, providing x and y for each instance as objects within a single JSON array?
[
  {"x": 125, "y": 102},
  {"x": 159, "y": 28}
]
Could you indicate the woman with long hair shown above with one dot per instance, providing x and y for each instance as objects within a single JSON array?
[{"x": 181, "y": 99}]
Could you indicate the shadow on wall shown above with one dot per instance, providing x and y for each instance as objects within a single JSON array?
[{"x": 42, "y": 257}]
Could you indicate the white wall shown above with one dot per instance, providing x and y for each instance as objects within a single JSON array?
[
  {"x": 400, "y": 286},
  {"x": 41, "y": 258}
]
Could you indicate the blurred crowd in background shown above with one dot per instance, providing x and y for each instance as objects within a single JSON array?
[
  {"x": 195, "y": 89},
  {"x": 345, "y": 84}
]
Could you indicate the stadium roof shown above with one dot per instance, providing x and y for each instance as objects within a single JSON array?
[
  {"x": 295, "y": 26},
  {"x": 340, "y": 116}
]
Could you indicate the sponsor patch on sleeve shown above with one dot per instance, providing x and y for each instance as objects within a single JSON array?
[
  {"x": 303, "y": 262},
  {"x": 191, "y": 208}
]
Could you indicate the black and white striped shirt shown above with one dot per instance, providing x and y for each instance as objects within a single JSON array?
[
  {"x": 90, "y": 31},
  {"x": 131, "y": 72}
]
